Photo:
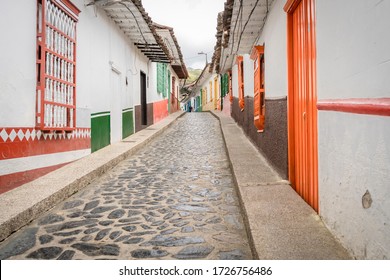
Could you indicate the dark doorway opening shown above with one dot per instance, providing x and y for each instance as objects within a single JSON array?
[{"x": 144, "y": 105}]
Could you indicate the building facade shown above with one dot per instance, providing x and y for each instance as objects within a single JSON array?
[
  {"x": 78, "y": 80},
  {"x": 314, "y": 98}
]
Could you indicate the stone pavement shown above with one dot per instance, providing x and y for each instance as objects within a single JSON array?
[{"x": 173, "y": 199}]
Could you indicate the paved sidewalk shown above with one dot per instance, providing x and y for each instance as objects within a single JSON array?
[
  {"x": 30, "y": 201},
  {"x": 280, "y": 223}
]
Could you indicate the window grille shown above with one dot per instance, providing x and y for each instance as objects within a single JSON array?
[{"x": 56, "y": 65}]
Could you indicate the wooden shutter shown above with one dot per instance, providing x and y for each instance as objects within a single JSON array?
[{"x": 259, "y": 91}]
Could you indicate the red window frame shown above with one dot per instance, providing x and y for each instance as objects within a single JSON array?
[{"x": 56, "y": 65}]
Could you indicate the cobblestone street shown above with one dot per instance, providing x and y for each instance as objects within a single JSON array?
[{"x": 174, "y": 199}]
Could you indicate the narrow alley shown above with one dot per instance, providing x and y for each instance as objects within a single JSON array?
[
  {"x": 207, "y": 130},
  {"x": 174, "y": 199}
]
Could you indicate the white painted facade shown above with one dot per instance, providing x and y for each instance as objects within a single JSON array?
[
  {"x": 248, "y": 77},
  {"x": 108, "y": 67},
  {"x": 354, "y": 155},
  {"x": 235, "y": 80},
  {"x": 353, "y": 61},
  {"x": 274, "y": 39},
  {"x": 249, "y": 82},
  {"x": 102, "y": 48},
  {"x": 17, "y": 64}
]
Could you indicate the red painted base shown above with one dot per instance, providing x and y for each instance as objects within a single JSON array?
[{"x": 12, "y": 181}]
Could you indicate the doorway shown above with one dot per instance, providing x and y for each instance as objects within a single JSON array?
[
  {"x": 144, "y": 105},
  {"x": 302, "y": 100}
]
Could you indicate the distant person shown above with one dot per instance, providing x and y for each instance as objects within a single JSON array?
[{"x": 190, "y": 109}]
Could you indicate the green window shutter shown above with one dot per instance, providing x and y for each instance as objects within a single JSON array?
[
  {"x": 160, "y": 78},
  {"x": 223, "y": 85},
  {"x": 165, "y": 80},
  {"x": 226, "y": 84}
]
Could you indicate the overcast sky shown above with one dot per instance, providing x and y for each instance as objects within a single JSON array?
[{"x": 194, "y": 23}]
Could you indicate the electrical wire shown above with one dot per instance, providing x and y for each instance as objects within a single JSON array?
[
  {"x": 246, "y": 23},
  {"x": 262, "y": 27},
  {"x": 235, "y": 24},
  {"x": 139, "y": 28}
]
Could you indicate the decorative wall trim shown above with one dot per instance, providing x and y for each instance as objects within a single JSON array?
[
  {"x": 127, "y": 122},
  {"x": 100, "y": 130},
  {"x": 366, "y": 106},
  {"x": 27, "y": 141}
]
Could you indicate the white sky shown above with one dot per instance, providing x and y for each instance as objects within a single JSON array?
[{"x": 194, "y": 23}]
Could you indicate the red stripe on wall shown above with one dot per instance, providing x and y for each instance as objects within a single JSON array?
[
  {"x": 11, "y": 181},
  {"x": 366, "y": 106},
  {"x": 9, "y": 150}
]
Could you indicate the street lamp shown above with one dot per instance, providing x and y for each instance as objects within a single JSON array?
[{"x": 204, "y": 54}]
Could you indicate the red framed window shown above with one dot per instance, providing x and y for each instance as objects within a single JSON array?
[
  {"x": 56, "y": 65},
  {"x": 259, "y": 88}
]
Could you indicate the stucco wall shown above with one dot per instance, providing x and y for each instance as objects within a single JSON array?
[
  {"x": 354, "y": 155},
  {"x": 249, "y": 86},
  {"x": 274, "y": 39},
  {"x": 17, "y": 64},
  {"x": 353, "y": 46}
]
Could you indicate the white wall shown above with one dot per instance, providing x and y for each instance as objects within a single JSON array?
[
  {"x": 102, "y": 47},
  {"x": 249, "y": 79},
  {"x": 17, "y": 64},
  {"x": 353, "y": 58},
  {"x": 274, "y": 38},
  {"x": 235, "y": 80},
  {"x": 354, "y": 156},
  {"x": 353, "y": 46}
]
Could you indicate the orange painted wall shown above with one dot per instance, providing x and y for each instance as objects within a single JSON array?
[{"x": 160, "y": 110}]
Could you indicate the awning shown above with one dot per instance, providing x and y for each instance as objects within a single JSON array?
[
  {"x": 132, "y": 19},
  {"x": 241, "y": 26},
  {"x": 170, "y": 41}
]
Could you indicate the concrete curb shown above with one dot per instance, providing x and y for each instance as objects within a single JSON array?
[
  {"x": 24, "y": 204},
  {"x": 279, "y": 223}
]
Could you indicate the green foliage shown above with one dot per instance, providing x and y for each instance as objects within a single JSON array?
[{"x": 193, "y": 74}]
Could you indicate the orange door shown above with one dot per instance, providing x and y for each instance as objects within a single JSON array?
[
  {"x": 241, "y": 100},
  {"x": 302, "y": 100}
]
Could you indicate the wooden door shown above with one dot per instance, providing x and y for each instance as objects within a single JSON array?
[
  {"x": 302, "y": 100},
  {"x": 241, "y": 99}
]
